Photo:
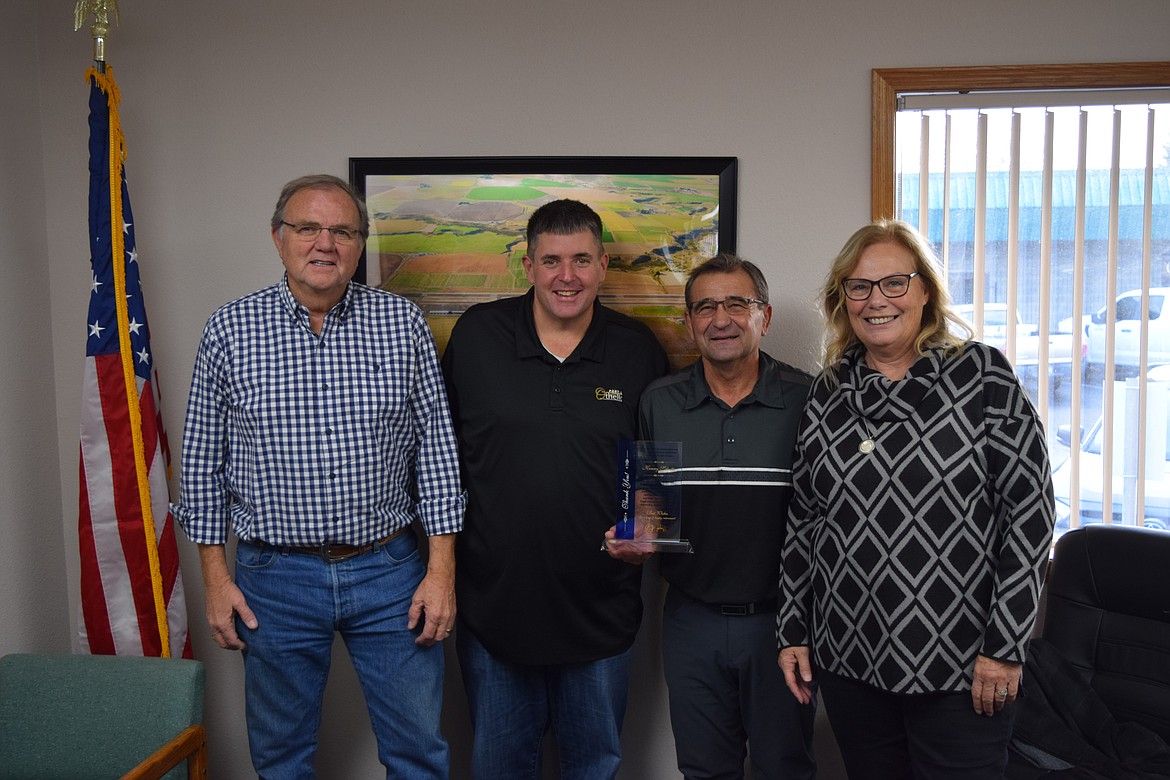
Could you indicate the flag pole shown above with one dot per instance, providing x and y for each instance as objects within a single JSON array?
[{"x": 99, "y": 29}]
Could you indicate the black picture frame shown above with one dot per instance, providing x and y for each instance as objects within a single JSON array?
[{"x": 639, "y": 200}]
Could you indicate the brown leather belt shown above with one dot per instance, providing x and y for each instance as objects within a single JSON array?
[{"x": 332, "y": 552}]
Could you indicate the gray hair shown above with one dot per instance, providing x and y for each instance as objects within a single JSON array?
[
  {"x": 321, "y": 181},
  {"x": 727, "y": 263}
]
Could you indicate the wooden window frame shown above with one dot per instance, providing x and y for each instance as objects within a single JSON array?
[{"x": 888, "y": 83}]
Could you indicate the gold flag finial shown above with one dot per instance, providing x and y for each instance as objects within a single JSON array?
[{"x": 101, "y": 22}]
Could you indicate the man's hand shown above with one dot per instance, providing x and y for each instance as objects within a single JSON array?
[
  {"x": 797, "y": 667},
  {"x": 224, "y": 599},
  {"x": 628, "y": 550},
  {"x": 996, "y": 684},
  {"x": 433, "y": 605}
]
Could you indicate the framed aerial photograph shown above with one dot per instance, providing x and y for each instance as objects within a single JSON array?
[{"x": 448, "y": 232}]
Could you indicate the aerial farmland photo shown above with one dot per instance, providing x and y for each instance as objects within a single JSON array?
[{"x": 450, "y": 241}]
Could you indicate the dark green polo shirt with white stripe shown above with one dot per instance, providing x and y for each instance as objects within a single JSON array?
[{"x": 736, "y": 477}]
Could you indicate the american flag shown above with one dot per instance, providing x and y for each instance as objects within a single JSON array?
[{"x": 131, "y": 590}]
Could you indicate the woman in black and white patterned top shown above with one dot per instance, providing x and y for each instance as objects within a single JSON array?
[{"x": 920, "y": 525}]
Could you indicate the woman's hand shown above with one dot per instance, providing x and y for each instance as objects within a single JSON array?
[
  {"x": 996, "y": 684},
  {"x": 797, "y": 668}
]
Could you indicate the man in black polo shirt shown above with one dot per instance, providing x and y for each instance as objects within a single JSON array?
[
  {"x": 542, "y": 388},
  {"x": 736, "y": 412}
]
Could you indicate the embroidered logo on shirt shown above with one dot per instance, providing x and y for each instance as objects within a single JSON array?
[{"x": 608, "y": 395}]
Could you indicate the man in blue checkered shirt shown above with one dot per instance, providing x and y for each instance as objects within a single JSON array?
[{"x": 318, "y": 430}]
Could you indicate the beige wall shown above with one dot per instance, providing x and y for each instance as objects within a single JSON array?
[
  {"x": 224, "y": 101},
  {"x": 34, "y": 602}
]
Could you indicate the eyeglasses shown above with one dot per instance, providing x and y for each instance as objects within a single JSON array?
[
  {"x": 734, "y": 305},
  {"x": 892, "y": 286},
  {"x": 309, "y": 232}
]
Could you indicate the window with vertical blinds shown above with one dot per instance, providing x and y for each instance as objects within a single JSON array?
[{"x": 1046, "y": 192}]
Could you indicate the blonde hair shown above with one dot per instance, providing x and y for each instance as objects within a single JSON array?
[{"x": 939, "y": 322}]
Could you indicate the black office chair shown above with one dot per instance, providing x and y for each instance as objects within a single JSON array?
[
  {"x": 1096, "y": 686},
  {"x": 1108, "y": 613}
]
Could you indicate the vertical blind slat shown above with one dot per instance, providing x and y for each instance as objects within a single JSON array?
[
  {"x": 946, "y": 200},
  {"x": 1109, "y": 394},
  {"x": 980, "y": 248},
  {"x": 1078, "y": 268},
  {"x": 1045, "y": 273},
  {"x": 1147, "y": 273},
  {"x": 924, "y": 178},
  {"x": 1013, "y": 242}
]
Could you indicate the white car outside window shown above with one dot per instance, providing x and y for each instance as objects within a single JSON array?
[{"x": 1127, "y": 333}]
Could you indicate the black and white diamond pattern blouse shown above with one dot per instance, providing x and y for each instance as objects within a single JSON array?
[{"x": 921, "y": 520}]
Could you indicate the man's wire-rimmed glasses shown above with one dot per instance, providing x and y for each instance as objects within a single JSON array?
[
  {"x": 309, "y": 231},
  {"x": 734, "y": 305}
]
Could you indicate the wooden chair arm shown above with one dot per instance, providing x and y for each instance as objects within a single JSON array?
[{"x": 190, "y": 743}]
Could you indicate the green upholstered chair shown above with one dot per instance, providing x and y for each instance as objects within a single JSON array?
[{"x": 90, "y": 717}]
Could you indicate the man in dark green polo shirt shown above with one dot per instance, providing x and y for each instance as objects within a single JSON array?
[{"x": 736, "y": 411}]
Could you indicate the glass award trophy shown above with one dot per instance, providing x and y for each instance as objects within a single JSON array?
[{"x": 649, "y": 498}]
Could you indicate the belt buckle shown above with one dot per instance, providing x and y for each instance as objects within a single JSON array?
[
  {"x": 737, "y": 610},
  {"x": 327, "y": 553}
]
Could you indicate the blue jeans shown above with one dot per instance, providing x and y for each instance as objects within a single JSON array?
[
  {"x": 301, "y": 602},
  {"x": 929, "y": 736},
  {"x": 512, "y": 706}
]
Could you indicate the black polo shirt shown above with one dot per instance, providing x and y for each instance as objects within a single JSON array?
[
  {"x": 538, "y": 445},
  {"x": 737, "y": 478}
]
